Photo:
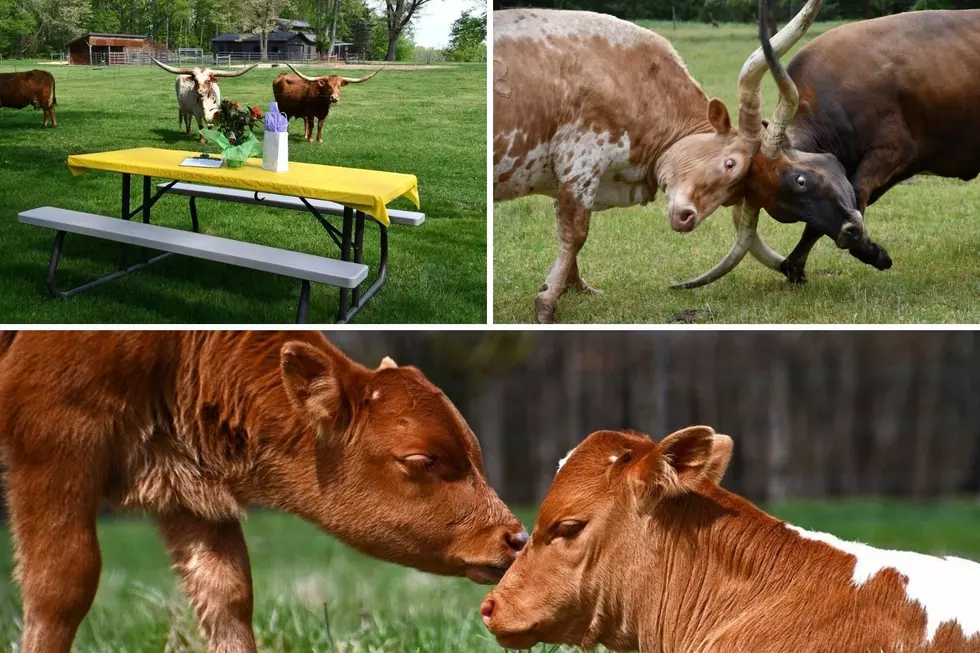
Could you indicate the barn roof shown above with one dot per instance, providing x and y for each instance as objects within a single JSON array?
[
  {"x": 274, "y": 37},
  {"x": 88, "y": 35}
]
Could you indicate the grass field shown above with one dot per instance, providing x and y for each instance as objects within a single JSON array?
[
  {"x": 377, "y": 607},
  {"x": 929, "y": 227},
  {"x": 428, "y": 122}
]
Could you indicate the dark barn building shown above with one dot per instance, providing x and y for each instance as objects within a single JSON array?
[{"x": 282, "y": 45}]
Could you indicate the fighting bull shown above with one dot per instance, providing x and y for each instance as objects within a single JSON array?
[
  {"x": 863, "y": 107},
  {"x": 198, "y": 95},
  {"x": 32, "y": 88},
  {"x": 629, "y": 121},
  {"x": 310, "y": 98}
]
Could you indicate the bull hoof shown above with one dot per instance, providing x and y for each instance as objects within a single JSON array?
[
  {"x": 544, "y": 309},
  {"x": 794, "y": 273},
  {"x": 319, "y": 140},
  {"x": 580, "y": 286}
]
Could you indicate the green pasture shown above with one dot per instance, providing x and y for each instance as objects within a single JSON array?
[
  {"x": 929, "y": 227},
  {"x": 313, "y": 594},
  {"x": 428, "y": 121}
]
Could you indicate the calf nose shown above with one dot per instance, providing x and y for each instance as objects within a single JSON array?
[
  {"x": 516, "y": 541},
  {"x": 486, "y": 610}
]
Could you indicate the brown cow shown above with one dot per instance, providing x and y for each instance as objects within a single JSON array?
[
  {"x": 32, "y": 88},
  {"x": 599, "y": 112},
  {"x": 637, "y": 547},
  {"x": 310, "y": 98},
  {"x": 194, "y": 427}
]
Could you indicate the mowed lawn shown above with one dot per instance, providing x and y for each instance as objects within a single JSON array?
[
  {"x": 930, "y": 227},
  {"x": 430, "y": 122},
  {"x": 377, "y": 607}
]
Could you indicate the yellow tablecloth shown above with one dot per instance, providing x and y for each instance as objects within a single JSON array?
[{"x": 364, "y": 190}]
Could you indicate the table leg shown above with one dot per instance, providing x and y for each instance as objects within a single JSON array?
[
  {"x": 358, "y": 252},
  {"x": 194, "y": 222},
  {"x": 382, "y": 275},
  {"x": 146, "y": 210},
  {"x": 123, "y": 264},
  {"x": 345, "y": 247},
  {"x": 304, "y": 302}
]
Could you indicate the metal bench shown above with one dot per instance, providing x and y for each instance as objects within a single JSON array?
[
  {"x": 306, "y": 267},
  {"x": 407, "y": 218}
]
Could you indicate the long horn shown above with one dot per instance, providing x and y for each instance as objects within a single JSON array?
[
  {"x": 171, "y": 69},
  {"x": 225, "y": 73},
  {"x": 750, "y": 78},
  {"x": 746, "y": 218},
  {"x": 309, "y": 79},
  {"x": 789, "y": 98},
  {"x": 358, "y": 80}
]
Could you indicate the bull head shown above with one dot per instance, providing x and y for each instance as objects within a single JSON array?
[
  {"x": 205, "y": 83},
  {"x": 330, "y": 85},
  {"x": 813, "y": 187},
  {"x": 750, "y": 127}
]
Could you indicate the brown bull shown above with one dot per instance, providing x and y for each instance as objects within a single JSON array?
[
  {"x": 32, "y": 88},
  {"x": 310, "y": 98}
]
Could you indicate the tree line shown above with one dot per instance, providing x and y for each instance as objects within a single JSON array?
[
  {"x": 739, "y": 11},
  {"x": 31, "y": 28}
]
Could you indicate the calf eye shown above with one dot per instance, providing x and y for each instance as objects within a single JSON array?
[
  {"x": 730, "y": 164},
  {"x": 568, "y": 529},
  {"x": 801, "y": 182},
  {"x": 417, "y": 461}
]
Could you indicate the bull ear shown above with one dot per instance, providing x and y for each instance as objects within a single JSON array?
[
  {"x": 677, "y": 465},
  {"x": 718, "y": 116},
  {"x": 312, "y": 382}
]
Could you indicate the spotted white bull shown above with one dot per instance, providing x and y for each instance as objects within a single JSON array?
[{"x": 198, "y": 94}]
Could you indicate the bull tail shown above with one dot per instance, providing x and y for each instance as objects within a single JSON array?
[{"x": 54, "y": 93}]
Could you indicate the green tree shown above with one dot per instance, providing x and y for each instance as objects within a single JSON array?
[{"x": 467, "y": 38}]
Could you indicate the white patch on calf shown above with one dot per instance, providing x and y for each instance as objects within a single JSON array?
[
  {"x": 947, "y": 588},
  {"x": 561, "y": 463},
  {"x": 376, "y": 395}
]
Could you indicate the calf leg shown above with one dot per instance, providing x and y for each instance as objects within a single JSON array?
[
  {"x": 213, "y": 562},
  {"x": 58, "y": 560},
  {"x": 573, "y": 229}
]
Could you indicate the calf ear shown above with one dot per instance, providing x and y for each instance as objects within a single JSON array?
[
  {"x": 718, "y": 116},
  {"x": 721, "y": 455},
  {"x": 311, "y": 381},
  {"x": 676, "y": 466}
]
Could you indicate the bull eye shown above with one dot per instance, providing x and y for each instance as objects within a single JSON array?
[{"x": 801, "y": 182}]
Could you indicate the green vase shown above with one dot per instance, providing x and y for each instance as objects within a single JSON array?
[{"x": 234, "y": 163}]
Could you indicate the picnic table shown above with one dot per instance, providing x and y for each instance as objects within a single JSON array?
[{"x": 350, "y": 193}]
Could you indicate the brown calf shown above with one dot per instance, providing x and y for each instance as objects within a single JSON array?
[
  {"x": 31, "y": 88},
  {"x": 194, "y": 427},
  {"x": 637, "y": 547}
]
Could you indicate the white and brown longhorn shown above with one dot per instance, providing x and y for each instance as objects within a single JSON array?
[
  {"x": 198, "y": 95},
  {"x": 598, "y": 113}
]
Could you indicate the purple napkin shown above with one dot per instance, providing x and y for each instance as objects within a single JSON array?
[{"x": 274, "y": 120}]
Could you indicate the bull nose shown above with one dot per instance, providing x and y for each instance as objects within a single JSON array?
[
  {"x": 516, "y": 541},
  {"x": 684, "y": 219},
  {"x": 486, "y": 610}
]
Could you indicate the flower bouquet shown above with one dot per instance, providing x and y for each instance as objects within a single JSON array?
[{"x": 233, "y": 132}]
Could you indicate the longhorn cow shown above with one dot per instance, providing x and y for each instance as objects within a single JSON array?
[
  {"x": 31, "y": 88},
  {"x": 630, "y": 119},
  {"x": 198, "y": 95},
  {"x": 863, "y": 107},
  {"x": 310, "y": 98}
]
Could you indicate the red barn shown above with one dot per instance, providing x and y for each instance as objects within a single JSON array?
[{"x": 109, "y": 49}]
